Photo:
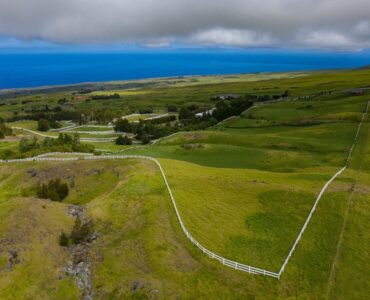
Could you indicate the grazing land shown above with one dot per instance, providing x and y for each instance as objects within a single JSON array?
[{"x": 244, "y": 187}]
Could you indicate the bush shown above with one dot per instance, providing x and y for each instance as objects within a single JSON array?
[
  {"x": 106, "y": 97},
  {"x": 43, "y": 125},
  {"x": 228, "y": 108},
  {"x": 54, "y": 124},
  {"x": 4, "y": 130},
  {"x": 172, "y": 108},
  {"x": 64, "y": 143},
  {"x": 122, "y": 125},
  {"x": 81, "y": 232},
  {"x": 145, "y": 139},
  {"x": 54, "y": 190},
  {"x": 185, "y": 113},
  {"x": 123, "y": 140},
  {"x": 63, "y": 239},
  {"x": 147, "y": 110}
]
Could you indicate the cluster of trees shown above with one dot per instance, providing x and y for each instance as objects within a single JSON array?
[
  {"x": 54, "y": 190},
  {"x": 147, "y": 110},
  {"x": 172, "y": 108},
  {"x": 157, "y": 128},
  {"x": 144, "y": 131},
  {"x": 123, "y": 140},
  {"x": 105, "y": 97},
  {"x": 224, "y": 109},
  {"x": 188, "y": 112},
  {"x": 261, "y": 98},
  {"x": 64, "y": 143},
  {"x": 45, "y": 125},
  {"x": 123, "y": 125},
  {"x": 83, "y": 91},
  {"x": 4, "y": 130},
  {"x": 227, "y": 108}
]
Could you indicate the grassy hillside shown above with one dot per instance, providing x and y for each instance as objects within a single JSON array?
[{"x": 243, "y": 188}]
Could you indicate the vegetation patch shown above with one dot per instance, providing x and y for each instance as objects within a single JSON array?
[{"x": 55, "y": 190}]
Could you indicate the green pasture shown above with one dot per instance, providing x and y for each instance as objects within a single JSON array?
[
  {"x": 92, "y": 128},
  {"x": 243, "y": 188}
]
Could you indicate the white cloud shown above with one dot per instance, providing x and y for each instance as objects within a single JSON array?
[
  {"x": 247, "y": 23},
  {"x": 363, "y": 28},
  {"x": 232, "y": 37}
]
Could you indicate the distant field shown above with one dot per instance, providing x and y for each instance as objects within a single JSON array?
[
  {"x": 159, "y": 93},
  {"x": 138, "y": 117},
  {"x": 93, "y": 128}
]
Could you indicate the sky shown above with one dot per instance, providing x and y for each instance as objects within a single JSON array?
[{"x": 339, "y": 25}]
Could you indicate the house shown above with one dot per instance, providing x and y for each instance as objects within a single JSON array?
[
  {"x": 205, "y": 113},
  {"x": 356, "y": 92},
  {"x": 227, "y": 97}
]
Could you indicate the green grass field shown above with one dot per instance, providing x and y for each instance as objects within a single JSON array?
[
  {"x": 93, "y": 128},
  {"x": 243, "y": 188}
]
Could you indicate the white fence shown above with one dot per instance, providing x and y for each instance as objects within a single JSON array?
[
  {"x": 222, "y": 260},
  {"x": 323, "y": 191},
  {"x": 108, "y": 139}
]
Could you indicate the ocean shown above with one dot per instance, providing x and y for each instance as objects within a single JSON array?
[{"x": 20, "y": 70}]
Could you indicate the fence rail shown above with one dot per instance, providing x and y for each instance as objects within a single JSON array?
[{"x": 224, "y": 261}]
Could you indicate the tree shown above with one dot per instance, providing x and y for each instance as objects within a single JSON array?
[
  {"x": 43, "y": 125},
  {"x": 54, "y": 124},
  {"x": 185, "y": 113},
  {"x": 172, "y": 108},
  {"x": 4, "y": 130},
  {"x": 123, "y": 140},
  {"x": 81, "y": 232},
  {"x": 27, "y": 145},
  {"x": 122, "y": 125},
  {"x": 76, "y": 142},
  {"x": 54, "y": 190},
  {"x": 285, "y": 94},
  {"x": 145, "y": 139}
]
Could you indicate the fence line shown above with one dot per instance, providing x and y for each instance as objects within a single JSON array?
[
  {"x": 322, "y": 192},
  {"x": 222, "y": 260},
  {"x": 110, "y": 139}
]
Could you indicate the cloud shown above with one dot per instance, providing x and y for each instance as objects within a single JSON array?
[
  {"x": 232, "y": 37},
  {"x": 330, "y": 40},
  {"x": 338, "y": 24}
]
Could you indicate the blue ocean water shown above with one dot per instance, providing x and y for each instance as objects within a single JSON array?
[{"x": 36, "y": 69}]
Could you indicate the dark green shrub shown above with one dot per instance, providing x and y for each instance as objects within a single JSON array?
[
  {"x": 54, "y": 190},
  {"x": 81, "y": 232},
  {"x": 123, "y": 140},
  {"x": 63, "y": 239},
  {"x": 145, "y": 139},
  {"x": 43, "y": 125}
]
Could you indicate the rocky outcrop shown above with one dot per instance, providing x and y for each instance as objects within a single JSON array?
[{"x": 79, "y": 264}]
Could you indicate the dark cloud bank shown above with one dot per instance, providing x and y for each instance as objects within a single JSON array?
[{"x": 322, "y": 24}]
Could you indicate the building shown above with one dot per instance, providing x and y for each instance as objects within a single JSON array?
[
  {"x": 205, "y": 113},
  {"x": 356, "y": 92},
  {"x": 227, "y": 97}
]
